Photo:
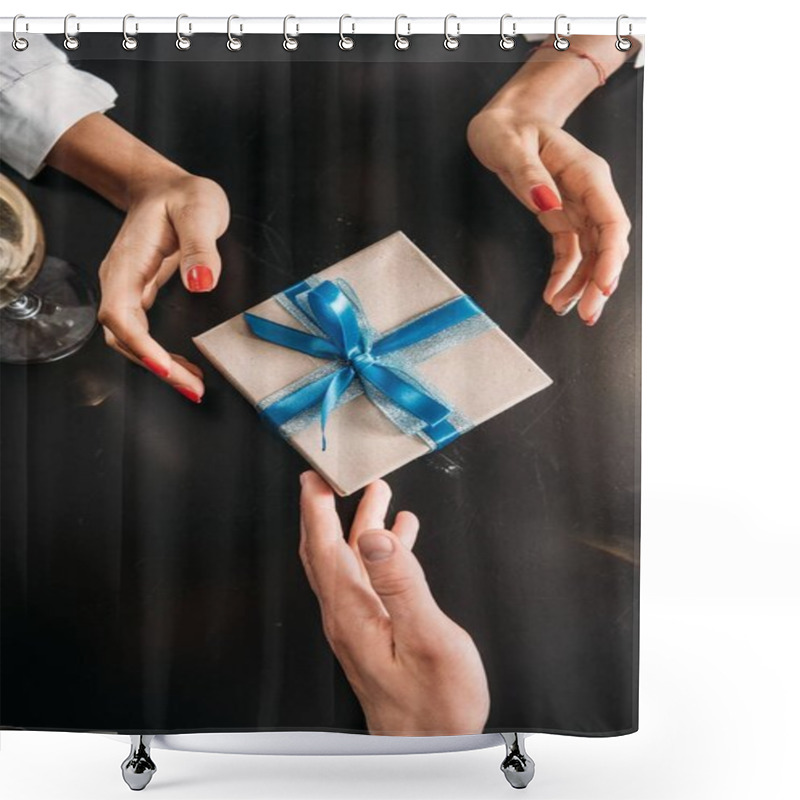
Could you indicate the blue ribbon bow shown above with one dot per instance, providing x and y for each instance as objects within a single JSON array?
[{"x": 347, "y": 338}]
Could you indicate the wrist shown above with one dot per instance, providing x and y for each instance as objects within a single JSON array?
[
  {"x": 531, "y": 98},
  {"x": 112, "y": 162},
  {"x": 149, "y": 174},
  {"x": 552, "y": 84}
]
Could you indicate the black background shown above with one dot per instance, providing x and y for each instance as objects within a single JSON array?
[{"x": 150, "y": 576}]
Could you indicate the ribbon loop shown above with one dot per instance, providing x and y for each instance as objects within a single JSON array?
[{"x": 348, "y": 339}]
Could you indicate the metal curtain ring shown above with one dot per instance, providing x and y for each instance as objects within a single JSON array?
[
  {"x": 129, "y": 42},
  {"x": 346, "y": 42},
  {"x": 234, "y": 42},
  {"x": 19, "y": 44},
  {"x": 182, "y": 43},
  {"x": 290, "y": 43},
  {"x": 506, "y": 42},
  {"x": 623, "y": 44},
  {"x": 70, "y": 42},
  {"x": 560, "y": 43},
  {"x": 451, "y": 42},
  {"x": 401, "y": 42}
]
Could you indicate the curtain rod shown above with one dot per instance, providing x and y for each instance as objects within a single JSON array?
[{"x": 331, "y": 25}]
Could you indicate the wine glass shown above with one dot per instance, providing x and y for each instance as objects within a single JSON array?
[{"x": 47, "y": 308}]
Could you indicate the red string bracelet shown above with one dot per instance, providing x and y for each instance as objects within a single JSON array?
[{"x": 601, "y": 73}]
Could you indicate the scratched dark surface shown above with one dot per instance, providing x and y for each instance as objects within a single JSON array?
[{"x": 150, "y": 577}]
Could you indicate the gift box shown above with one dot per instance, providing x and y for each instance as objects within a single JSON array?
[{"x": 372, "y": 363}]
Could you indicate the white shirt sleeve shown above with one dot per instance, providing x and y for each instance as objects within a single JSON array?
[{"x": 41, "y": 96}]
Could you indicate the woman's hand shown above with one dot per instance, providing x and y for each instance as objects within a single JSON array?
[
  {"x": 173, "y": 222},
  {"x": 518, "y": 136},
  {"x": 414, "y": 670},
  {"x": 571, "y": 191}
]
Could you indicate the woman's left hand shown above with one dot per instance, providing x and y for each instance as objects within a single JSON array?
[{"x": 172, "y": 223}]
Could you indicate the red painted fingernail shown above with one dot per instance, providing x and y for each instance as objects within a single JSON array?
[
  {"x": 200, "y": 279},
  {"x": 544, "y": 198},
  {"x": 155, "y": 367},
  {"x": 591, "y": 321},
  {"x": 610, "y": 290},
  {"x": 186, "y": 392}
]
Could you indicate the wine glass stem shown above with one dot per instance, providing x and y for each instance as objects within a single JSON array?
[{"x": 24, "y": 307}]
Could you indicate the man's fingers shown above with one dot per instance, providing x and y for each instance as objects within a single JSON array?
[
  {"x": 399, "y": 581},
  {"x": 320, "y": 533},
  {"x": 406, "y": 527},
  {"x": 334, "y": 573},
  {"x": 372, "y": 508},
  {"x": 318, "y": 511}
]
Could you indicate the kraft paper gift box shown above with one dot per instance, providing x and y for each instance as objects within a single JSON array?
[{"x": 390, "y": 403}]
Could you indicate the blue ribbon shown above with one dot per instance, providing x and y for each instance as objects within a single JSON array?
[{"x": 347, "y": 338}]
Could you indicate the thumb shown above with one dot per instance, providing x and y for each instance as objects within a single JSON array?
[
  {"x": 534, "y": 185},
  {"x": 398, "y": 579},
  {"x": 196, "y": 227}
]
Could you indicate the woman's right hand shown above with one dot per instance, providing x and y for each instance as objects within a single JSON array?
[{"x": 571, "y": 191}]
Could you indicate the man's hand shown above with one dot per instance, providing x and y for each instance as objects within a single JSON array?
[{"x": 414, "y": 670}]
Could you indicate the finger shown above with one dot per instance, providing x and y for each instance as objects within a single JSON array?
[
  {"x": 167, "y": 269},
  {"x": 318, "y": 511},
  {"x": 133, "y": 261},
  {"x": 372, "y": 508},
  {"x": 399, "y": 581},
  {"x": 182, "y": 376},
  {"x": 322, "y": 539},
  {"x": 333, "y": 571},
  {"x": 606, "y": 214},
  {"x": 573, "y": 290},
  {"x": 591, "y": 303},
  {"x": 129, "y": 332},
  {"x": 198, "y": 226},
  {"x": 567, "y": 256},
  {"x": 184, "y": 362},
  {"x": 406, "y": 527},
  {"x": 533, "y": 186},
  {"x": 586, "y": 178},
  {"x": 129, "y": 265}
]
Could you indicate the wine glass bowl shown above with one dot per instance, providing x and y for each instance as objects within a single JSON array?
[
  {"x": 47, "y": 308},
  {"x": 21, "y": 242}
]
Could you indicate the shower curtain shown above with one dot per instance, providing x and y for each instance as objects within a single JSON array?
[{"x": 156, "y": 577}]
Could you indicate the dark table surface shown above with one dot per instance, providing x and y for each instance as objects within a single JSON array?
[{"x": 150, "y": 576}]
